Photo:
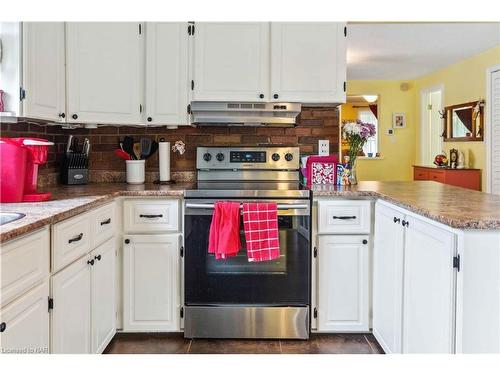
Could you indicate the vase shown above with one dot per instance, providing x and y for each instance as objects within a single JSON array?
[{"x": 353, "y": 179}]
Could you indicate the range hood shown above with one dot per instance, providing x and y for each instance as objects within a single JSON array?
[{"x": 245, "y": 114}]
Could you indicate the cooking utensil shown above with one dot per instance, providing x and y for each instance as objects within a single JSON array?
[
  {"x": 137, "y": 150},
  {"x": 145, "y": 147},
  {"x": 122, "y": 154},
  {"x": 128, "y": 146},
  {"x": 154, "y": 148}
]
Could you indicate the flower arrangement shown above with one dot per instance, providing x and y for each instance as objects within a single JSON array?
[{"x": 356, "y": 133}]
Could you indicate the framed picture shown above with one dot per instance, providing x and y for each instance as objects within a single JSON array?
[{"x": 399, "y": 120}]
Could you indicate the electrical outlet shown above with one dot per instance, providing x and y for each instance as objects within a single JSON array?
[{"x": 323, "y": 147}]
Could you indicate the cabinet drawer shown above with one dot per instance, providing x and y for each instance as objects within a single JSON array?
[
  {"x": 70, "y": 240},
  {"x": 103, "y": 224},
  {"x": 341, "y": 216},
  {"x": 420, "y": 174},
  {"x": 24, "y": 263},
  {"x": 437, "y": 176},
  {"x": 148, "y": 215}
]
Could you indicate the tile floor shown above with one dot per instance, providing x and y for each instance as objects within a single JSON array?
[{"x": 175, "y": 343}]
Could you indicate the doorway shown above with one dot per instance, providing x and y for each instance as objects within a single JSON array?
[
  {"x": 492, "y": 128},
  {"x": 431, "y": 136}
]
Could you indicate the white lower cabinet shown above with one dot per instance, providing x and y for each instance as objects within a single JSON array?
[
  {"x": 103, "y": 294},
  {"x": 413, "y": 283},
  {"x": 83, "y": 317},
  {"x": 151, "y": 283},
  {"x": 429, "y": 289},
  {"x": 343, "y": 282},
  {"x": 71, "y": 316},
  {"x": 388, "y": 278},
  {"x": 24, "y": 323}
]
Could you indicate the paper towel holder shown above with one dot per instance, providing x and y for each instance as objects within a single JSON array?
[{"x": 164, "y": 157}]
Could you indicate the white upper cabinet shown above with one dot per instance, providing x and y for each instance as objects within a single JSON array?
[
  {"x": 388, "y": 278},
  {"x": 44, "y": 70},
  {"x": 231, "y": 61},
  {"x": 429, "y": 289},
  {"x": 308, "y": 62},
  {"x": 104, "y": 72},
  {"x": 167, "y": 81}
]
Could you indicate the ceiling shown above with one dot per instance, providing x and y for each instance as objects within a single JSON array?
[{"x": 404, "y": 51}]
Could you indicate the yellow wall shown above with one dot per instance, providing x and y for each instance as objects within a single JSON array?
[
  {"x": 398, "y": 151},
  {"x": 348, "y": 112},
  {"x": 463, "y": 82}
]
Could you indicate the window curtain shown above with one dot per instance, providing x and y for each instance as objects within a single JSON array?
[{"x": 373, "y": 108}]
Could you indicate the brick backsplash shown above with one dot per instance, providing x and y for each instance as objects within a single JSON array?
[{"x": 313, "y": 123}]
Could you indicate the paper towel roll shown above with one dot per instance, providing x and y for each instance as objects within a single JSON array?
[{"x": 164, "y": 155}]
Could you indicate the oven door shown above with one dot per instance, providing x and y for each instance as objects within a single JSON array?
[{"x": 235, "y": 281}]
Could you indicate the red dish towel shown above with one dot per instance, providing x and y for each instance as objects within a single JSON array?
[
  {"x": 224, "y": 238},
  {"x": 260, "y": 221}
]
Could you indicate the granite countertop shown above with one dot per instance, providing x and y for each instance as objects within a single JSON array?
[
  {"x": 68, "y": 201},
  {"x": 456, "y": 207},
  {"x": 453, "y": 206}
]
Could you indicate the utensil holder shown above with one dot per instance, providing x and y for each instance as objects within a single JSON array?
[{"x": 136, "y": 171}]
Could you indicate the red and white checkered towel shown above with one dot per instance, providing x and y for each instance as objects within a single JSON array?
[{"x": 260, "y": 221}]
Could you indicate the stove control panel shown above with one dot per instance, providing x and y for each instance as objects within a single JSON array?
[
  {"x": 275, "y": 158},
  {"x": 248, "y": 156}
]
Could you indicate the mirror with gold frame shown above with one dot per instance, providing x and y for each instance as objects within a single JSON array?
[{"x": 464, "y": 122}]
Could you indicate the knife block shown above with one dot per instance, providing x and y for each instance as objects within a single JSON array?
[{"x": 74, "y": 168}]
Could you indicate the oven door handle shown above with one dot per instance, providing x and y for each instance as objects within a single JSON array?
[{"x": 280, "y": 206}]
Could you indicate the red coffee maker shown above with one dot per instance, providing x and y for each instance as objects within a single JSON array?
[{"x": 19, "y": 161}]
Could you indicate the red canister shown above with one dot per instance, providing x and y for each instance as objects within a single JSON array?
[{"x": 12, "y": 170}]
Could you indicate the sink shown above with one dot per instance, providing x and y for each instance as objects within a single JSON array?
[{"x": 7, "y": 217}]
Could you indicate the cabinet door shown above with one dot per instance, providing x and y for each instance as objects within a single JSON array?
[
  {"x": 429, "y": 284},
  {"x": 70, "y": 325},
  {"x": 308, "y": 62},
  {"x": 103, "y": 296},
  {"x": 26, "y": 323},
  {"x": 343, "y": 283},
  {"x": 166, "y": 73},
  {"x": 44, "y": 70},
  {"x": 388, "y": 278},
  {"x": 231, "y": 61},
  {"x": 151, "y": 283},
  {"x": 103, "y": 71}
]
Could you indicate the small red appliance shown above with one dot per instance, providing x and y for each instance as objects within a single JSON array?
[{"x": 19, "y": 161}]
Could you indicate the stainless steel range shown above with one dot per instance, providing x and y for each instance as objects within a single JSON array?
[{"x": 234, "y": 298}]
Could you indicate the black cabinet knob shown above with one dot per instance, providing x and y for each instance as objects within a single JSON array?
[
  {"x": 127, "y": 241},
  {"x": 220, "y": 156},
  {"x": 98, "y": 257},
  {"x": 62, "y": 115},
  {"x": 365, "y": 242},
  {"x": 75, "y": 116},
  {"x": 3, "y": 326},
  {"x": 275, "y": 157},
  {"x": 288, "y": 157},
  {"x": 261, "y": 96},
  {"x": 397, "y": 219},
  {"x": 207, "y": 156},
  {"x": 91, "y": 262},
  {"x": 150, "y": 119},
  {"x": 405, "y": 223},
  {"x": 276, "y": 96}
]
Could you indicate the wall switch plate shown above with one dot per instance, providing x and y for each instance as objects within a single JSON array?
[
  {"x": 390, "y": 131},
  {"x": 323, "y": 147}
]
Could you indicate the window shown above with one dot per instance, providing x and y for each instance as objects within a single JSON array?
[{"x": 371, "y": 145}]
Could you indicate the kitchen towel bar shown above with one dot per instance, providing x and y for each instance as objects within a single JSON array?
[{"x": 280, "y": 206}]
